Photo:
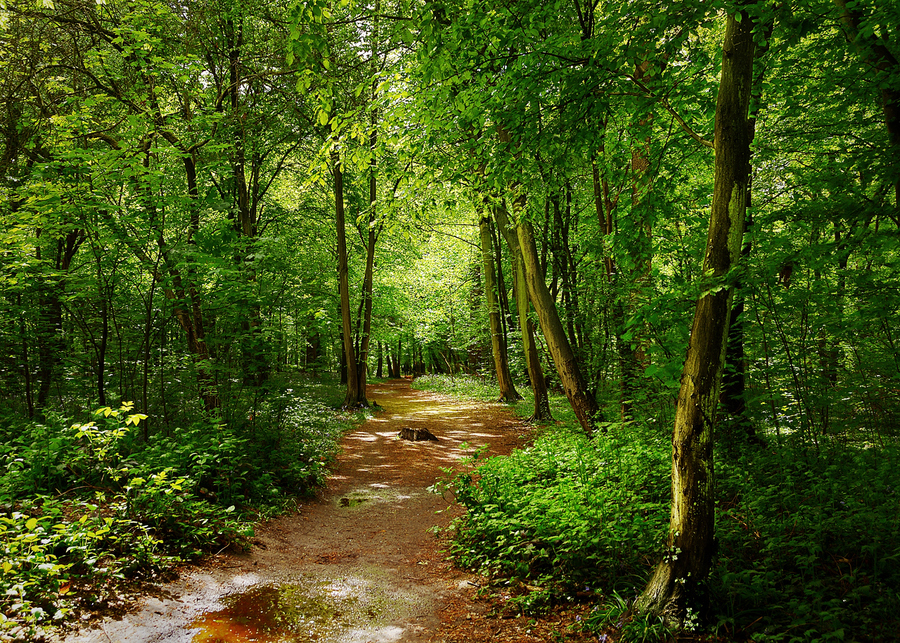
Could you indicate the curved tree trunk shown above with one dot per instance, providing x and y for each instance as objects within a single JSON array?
[
  {"x": 529, "y": 346},
  {"x": 583, "y": 403},
  {"x": 677, "y": 582}
]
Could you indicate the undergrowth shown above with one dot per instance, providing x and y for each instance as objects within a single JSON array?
[
  {"x": 808, "y": 540},
  {"x": 85, "y": 505},
  {"x": 564, "y": 509},
  {"x": 809, "y": 545},
  {"x": 463, "y": 386}
]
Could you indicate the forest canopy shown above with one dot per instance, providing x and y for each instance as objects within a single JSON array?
[{"x": 683, "y": 217}]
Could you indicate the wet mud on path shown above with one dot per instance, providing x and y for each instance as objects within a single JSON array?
[{"x": 357, "y": 564}]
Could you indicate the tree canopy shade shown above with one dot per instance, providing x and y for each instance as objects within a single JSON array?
[{"x": 622, "y": 202}]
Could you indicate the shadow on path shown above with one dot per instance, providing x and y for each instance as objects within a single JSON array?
[{"x": 357, "y": 564}]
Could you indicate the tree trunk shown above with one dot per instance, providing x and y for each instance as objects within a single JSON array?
[
  {"x": 738, "y": 428},
  {"x": 379, "y": 367},
  {"x": 192, "y": 321},
  {"x": 51, "y": 342},
  {"x": 26, "y": 364},
  {"x": 529, "y": 346},
  {"x": 677, "y": 582},
  {"x": 584, "y": 404},
  {"x": 734, "y": 379},
  {"x": 629, "y": 360},
  {"x": 104, "y": 339},
  {"x": 475, "y": 345},
  {"x": 313, "y": 344},
  {"x": 508, "y": 391},
  {"x": 505, "y": 314},
  {"x": 371, "y": 240},
  {"x": 349, "y": 354}
]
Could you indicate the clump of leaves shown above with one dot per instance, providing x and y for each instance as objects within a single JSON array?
[
  {"x": 614, "y": 619},
  {"x": 809, "y": 545},
  {"x": 568, "y": 508},
  {"x": 85, "y": 505}
]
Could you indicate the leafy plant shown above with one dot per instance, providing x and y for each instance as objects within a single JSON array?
[
  {"x": 566, "y": 507},
  {"x": 86, "y": 505},
  {"x": 809, "y": 545}
]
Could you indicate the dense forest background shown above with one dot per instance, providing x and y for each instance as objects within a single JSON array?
[{"x": 204, "y": 203}]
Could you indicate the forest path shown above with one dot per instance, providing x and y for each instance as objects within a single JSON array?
[{"x": 357, "y": 564}]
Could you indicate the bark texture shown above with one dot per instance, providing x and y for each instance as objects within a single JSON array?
[
  {"x": 352, "y": 398},
  {"x": 529, "y": 346},
  {"x": 677, "y": 583},
  {"x": 583, "y": 403}
]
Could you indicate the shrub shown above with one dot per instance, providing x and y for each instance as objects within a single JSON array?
[
  {"x": 810, "y": 545},
  {"x": 567, "y": 508},
  {"x": 83, "y": 505}
]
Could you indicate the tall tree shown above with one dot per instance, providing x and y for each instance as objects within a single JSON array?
[
  {"x": 526, "y": 326},
  {"x": 583, "y": 402},
  {"x": 349, "y": 351},
  {"x": 677, "y": 582}
]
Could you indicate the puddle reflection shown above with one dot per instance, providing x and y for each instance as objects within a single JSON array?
[{"x": 292, "y": 613}]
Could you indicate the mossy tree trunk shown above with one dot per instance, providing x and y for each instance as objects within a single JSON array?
[
  {"x": 678, "y": 581},
  {"x": 529, "y": 346},
  {"x": 583, "y": 403}
]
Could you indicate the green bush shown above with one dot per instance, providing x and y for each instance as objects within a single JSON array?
[
  {"x": 810, "y": 545},
  {"x": 85, "y": 504},
  {"x": 573, "y": 510},
  {"x": 808, "y": 540}
]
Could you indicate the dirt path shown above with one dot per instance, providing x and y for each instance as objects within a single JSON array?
[{"x": 359, "y": 563}]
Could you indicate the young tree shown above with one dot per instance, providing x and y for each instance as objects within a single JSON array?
[{"x": 508, "y": 391}]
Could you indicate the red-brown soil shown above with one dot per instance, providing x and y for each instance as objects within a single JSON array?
[{"x": 372, "y": 526}]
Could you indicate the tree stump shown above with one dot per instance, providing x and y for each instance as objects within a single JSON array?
[{"x": 416, "y": 435}]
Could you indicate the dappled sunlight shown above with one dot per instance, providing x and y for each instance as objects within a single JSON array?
[
  {"x": 362, "y": 436},
  {"x": 375, "y": 451}
]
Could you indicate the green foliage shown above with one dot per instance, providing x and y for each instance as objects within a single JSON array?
[
  {"x": 616, "y": 615},
  {"x": 52, "y": 545},
  {"x": 567, "y": 508},
  {"x": 143, "y": 191},
  {"x": 809, "y": 545},
  {"x": 809, "y": 542},
  {"x": 92, "y": 503},
  {"x": 462, "y": 386}
]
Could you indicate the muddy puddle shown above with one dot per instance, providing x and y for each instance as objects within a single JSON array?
[
  {"x": 361, "y": 605},
  {"x": 352, "y": 609}
]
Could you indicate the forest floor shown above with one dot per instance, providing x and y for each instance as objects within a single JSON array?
[{"x": 363, "y": 561}]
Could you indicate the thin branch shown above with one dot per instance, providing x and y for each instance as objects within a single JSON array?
[{"x": 665, "y": 103}]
